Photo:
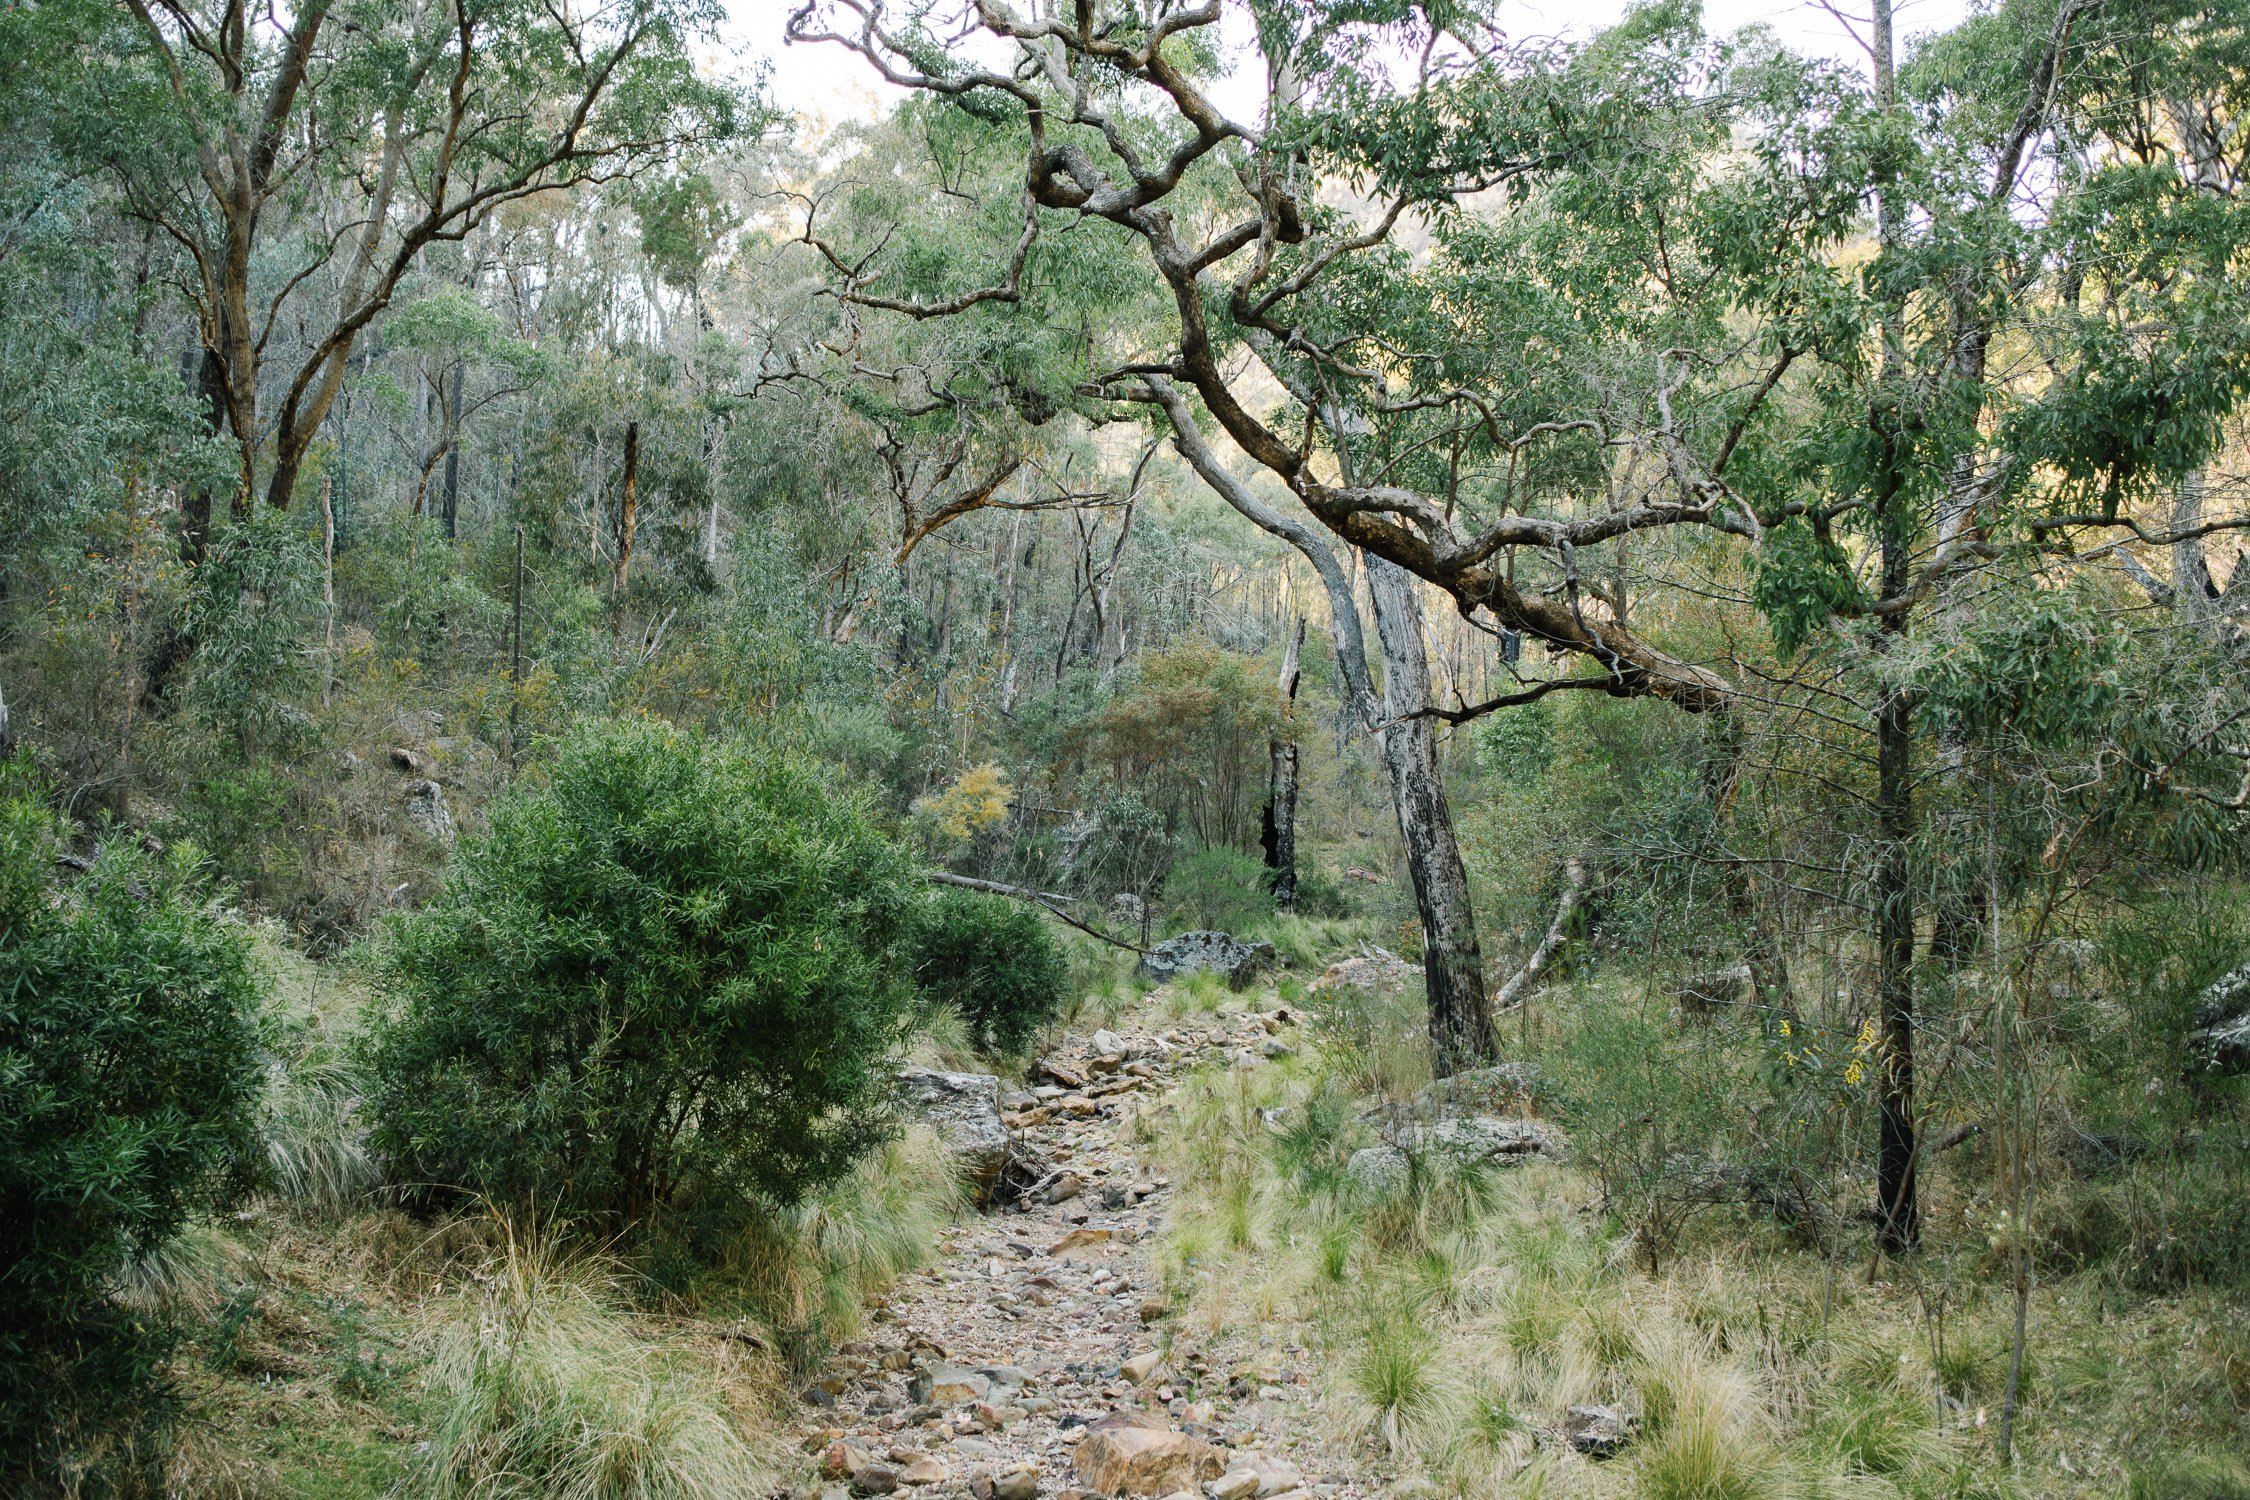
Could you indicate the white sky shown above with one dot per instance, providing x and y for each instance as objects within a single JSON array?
[{"x": 829, "y": 83}]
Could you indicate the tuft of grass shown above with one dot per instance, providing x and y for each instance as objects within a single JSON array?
[
  {"x": 1707, "y": 1437},
  {"x": 542, "y": 1390},
  {"x": 805, "y": 1272},
  {"x": 316, "y": 1148},
  {"x": 193, "y": 1275},
  {"x": 2190, "y": 1476},
  {"x": 1885, "y": 1433},
  {"x": 1393, "y": 1370}
]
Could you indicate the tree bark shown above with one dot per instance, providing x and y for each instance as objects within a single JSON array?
[
  {"x": 1279, "y": 836},
  {"x": 1461, "y": 1035},
  {"x": 628, "y": 515},
  {"x": 1897, "y": 1207},
  {"x": 453, "y": 454}
]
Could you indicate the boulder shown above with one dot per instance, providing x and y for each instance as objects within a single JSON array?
[
  {"x": 1144, "y": 1461},
  {"x": 964, "y": 1110},
  {"x": 1598, "y": 1431},
  {"x": 1017, "y": 1484},
  {"x": 1484, "y": 1138},
  {"x": 2221, "y": 1039},
  {"x": 1379, "y": 971},
  {"x": 426, "y": 809},
  {"x": 1141, "y": 1366},
  {"x": 1503, "y": 1088},
  {"x": 875, "y": 1479},
  {"x": 923, "y": 1470},
  {"x": 1378, "y": 1170},
  {"x": 1207, "y": 952},
  {"x": 1109, "y": 1044},
  {"x": 1276, "y": 1475}
]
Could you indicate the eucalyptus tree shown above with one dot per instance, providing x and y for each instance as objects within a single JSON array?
[
  {"x": 2040, "y": 350},
  {"x": 302, "y": 160},
  {"x": 1484, "y": 308},
  {"x": 1348, "y": 369}
]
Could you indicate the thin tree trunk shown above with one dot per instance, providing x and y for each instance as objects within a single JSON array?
[
  {"x": 1898, "y": 1210},
  {"x": 1280, "y": 831},
  {"x": 628, "y": 515},
  {"x": 515, "y": 652},
  {"x": 1518, "y": 989},
  {"x": 452, "y": 455},
  {"x": 327, "y": 591},
  {"x": 1461, "y": 1035}
]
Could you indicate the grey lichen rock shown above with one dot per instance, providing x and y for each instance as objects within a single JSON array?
[
  {"x": 964, "y": 1110},
  {"x": 1500, "y": 1089},
  {"x": 1485, "y": 1139},
  {"x": 1378, "y": 971},
  {"x": 2221, "y": 1040},
  {"x": 1598, "y": 1431},
  {"x": 426, "y": 809},
  {"x": 1378, "y": 1170},
  {"x": 1217, "y": 953}
]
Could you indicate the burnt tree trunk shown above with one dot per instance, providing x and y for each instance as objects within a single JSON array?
[
  {"x": 628, "y": 515},
  {"x": 1461, "y": 1035},
  {"x": 1279, "y": 835}
]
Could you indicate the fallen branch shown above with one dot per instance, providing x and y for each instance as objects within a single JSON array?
[
  {"x": 1043, "y": 900},
  {"x": 1574, "y": 886}
]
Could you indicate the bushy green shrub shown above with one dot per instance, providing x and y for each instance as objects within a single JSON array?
[
  {"x": 129, "y": 1084},
  {"x": 1220, "y": 888},
  {"x": 993, "y": 961},
  {"x": 670, "y": 979}
]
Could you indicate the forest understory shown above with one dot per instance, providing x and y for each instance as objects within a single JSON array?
[{"x": 1256, "y": 749}]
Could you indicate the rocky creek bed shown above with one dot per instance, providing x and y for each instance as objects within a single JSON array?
[{"x": 1038, "y": 1355}]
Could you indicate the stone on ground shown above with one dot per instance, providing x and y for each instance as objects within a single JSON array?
[
  {"x": 964, "y": 1110},
  {"x": 1144, "y": 1461}
]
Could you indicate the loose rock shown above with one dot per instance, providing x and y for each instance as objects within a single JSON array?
[
  {"x": 964, "y": 1109},
  {"x": 1144, "y": 1461}
]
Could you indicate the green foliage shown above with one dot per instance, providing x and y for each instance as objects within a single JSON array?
[
  {"x": 1803, "y": 580},
  {"x": 257, "y": 595},
  {"x": 2039, "y": 674},
  {"x": 994, "y": 961},
  {"x": 667, "y": 980},
  {"x": 129, "y": 1087},
  {"x": 1220, "y": 888}
]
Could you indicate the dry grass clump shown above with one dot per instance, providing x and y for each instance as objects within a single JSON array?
[
  {"x": 1462, "y": 1311},
  {"x": 544, "y": 1391},
  {"x": 806, "y": 1272}
]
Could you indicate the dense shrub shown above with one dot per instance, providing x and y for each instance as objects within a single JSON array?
[
  {"x": 669, "y": 978},
  {"x": 129, "y": 1084},
  {"x": 1219, "y": 887},
  {"x": 993, "y": 961}
]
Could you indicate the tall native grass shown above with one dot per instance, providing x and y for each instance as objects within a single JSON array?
[
  {"x": 1459, "y": 1311},
  {"x": 544, "y": 1390},
  {"x": 805, "y": 1272}
]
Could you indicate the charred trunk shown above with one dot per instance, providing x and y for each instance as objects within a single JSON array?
[{"x": 1279, "y": 835}]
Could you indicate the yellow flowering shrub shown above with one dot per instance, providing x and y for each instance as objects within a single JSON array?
[{"x": 977, "y": 800}]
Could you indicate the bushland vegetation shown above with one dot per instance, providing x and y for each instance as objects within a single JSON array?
[{"x": 558, "y": 623}]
